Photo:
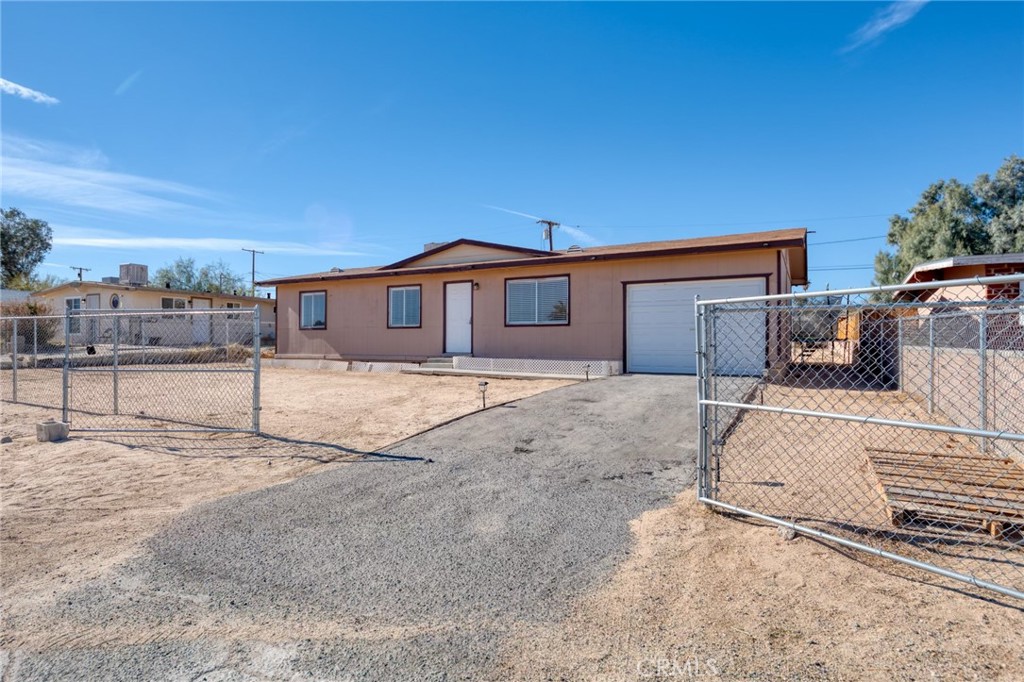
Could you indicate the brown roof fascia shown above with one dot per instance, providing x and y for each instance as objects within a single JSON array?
[
  {"x": 460, "y": 242},
  {"x": 552, "y": 259}
]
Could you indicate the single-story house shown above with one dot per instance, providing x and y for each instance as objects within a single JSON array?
[
  {"x": 131, "y": 291},
  {"x": 630, "y": 306},
  {"x": 966, "y": 267},
  {"x": 1005, "y": 330}
]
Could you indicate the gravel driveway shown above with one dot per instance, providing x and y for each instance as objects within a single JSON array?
[{"x": 414, "y": 564}]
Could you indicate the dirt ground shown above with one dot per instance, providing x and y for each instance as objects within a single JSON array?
[
  {"x": 707, "y": 596},
  {"x": 699, "y": 595},
  {"x": 71, "y": 510}
]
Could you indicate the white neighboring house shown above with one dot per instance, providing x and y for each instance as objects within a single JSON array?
[{"x": 131, "y": 291}]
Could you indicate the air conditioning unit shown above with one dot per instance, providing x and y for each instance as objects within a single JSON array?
[
  {"x": 134, "y": 275},
  {"x": 111, "y": 280}
]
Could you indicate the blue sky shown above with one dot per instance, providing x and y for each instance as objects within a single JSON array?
[{"x": 350, "y": 134}]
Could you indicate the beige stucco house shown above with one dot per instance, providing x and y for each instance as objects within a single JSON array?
[
  {"x": 1005, "y": 320},
  {"x": 630, "y": 305},
  {"x": 967, "y": 267},
  {"x": 130, "y": 292}
]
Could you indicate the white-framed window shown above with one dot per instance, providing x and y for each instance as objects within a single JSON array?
[
  {"x": 74, "y": 305},
  {"x": 541, "y": 301},
  {"x": 404, "y": 306},
  {"x": 169, "y": 303},
  {"x": 313, "y": 310}
]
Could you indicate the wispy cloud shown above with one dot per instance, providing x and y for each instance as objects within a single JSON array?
[
  {"x": 71, "y": 176},
  {"x": 127, "y": 83},
  {"x": 281, "y": 139},
  {"x": 574, "y": 232},
  {"x": 9, "y": 88},
  {"x": 77, "y": 192},
  {"x": 885, "y": 20},
  {"x": 580, "y": 235},
  {"x": 104, "y": 239}
]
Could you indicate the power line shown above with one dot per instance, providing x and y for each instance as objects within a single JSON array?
[
  {"x": 80, "y": 270},
  {"x": 845, "y": 241},
  {"x": 842, "y": 267},
  {"x": 253, "y": 252},
  {"x": 741, "y": 224}
]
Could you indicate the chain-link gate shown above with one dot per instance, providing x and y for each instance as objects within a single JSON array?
[
  {"x": 138, "y": 370},
  {"x": 890, "y": 420}
]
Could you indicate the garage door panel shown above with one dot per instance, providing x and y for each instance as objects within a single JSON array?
[{"x": 660, "y": 327}]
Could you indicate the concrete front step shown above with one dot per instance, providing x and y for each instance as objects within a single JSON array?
[
  {"x": 437, "y": 371},
  {"x": 438, "y": 365}
]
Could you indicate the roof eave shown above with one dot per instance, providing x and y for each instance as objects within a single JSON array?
[{"x": 553, "y": 258}]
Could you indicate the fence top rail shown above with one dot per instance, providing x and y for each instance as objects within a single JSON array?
[
  {"x": 32, "y": 317},
  {"x": 916, "y": 286},
  {"x": 86, "y": 312}
]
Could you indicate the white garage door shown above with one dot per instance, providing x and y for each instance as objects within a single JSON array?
[{"x": 661, "y": 329}]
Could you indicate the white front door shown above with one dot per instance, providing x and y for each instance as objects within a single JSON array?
[
  {"x": 458, "y": 317},
  {"x": 201, "y": 323},
  {"x": 92, "y": 302}
]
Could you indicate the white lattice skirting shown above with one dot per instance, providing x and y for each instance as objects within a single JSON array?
[
  {"x": 596, "y": 368},
  {"x": 356, "y": 366}
]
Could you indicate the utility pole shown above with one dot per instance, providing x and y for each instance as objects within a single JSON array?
[
  {"x": 549, "y": 230},
  {"x": 253, "y": 252},
  {"x": 80, "y": 271}
]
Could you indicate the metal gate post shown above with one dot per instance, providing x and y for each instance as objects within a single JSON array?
[
  {"x": 117, "y": 334},
  {"x": 899, "y": 351},
  {"x": 931, "y": 363},
  {"x": 14, "y": 361},
  {"x": 35, "y": 343},
  {"x": 703, "y": 487},
  {"x": 982, "y": 357},
  {"x": 256, "y": 370},
  {"x": 65, "y": 415}
]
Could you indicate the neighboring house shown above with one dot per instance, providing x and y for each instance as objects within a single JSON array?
[
  {"x": 1004, "y": 323},
  {"x": 131, "y": 292},
  {"x": 966, "y": 267},
  {"x": 13, "y": 296},
  {"x": 631, "y": 305}
]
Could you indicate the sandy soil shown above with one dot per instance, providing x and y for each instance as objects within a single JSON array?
[
  {"x": 70, "y": 510},
  {"x": 699, "y": 596},
  {"x": 706, "y": 596}
]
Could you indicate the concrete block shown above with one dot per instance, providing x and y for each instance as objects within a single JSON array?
[{"x": 50, "y": 431}]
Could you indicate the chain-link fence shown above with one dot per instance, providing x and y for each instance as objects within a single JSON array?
[
  {"x": 139, "y": 370},
  {"x": 893, "y": 426}
]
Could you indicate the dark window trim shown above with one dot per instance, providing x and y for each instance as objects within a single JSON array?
[
  {"x": 766, "y": 276},
  {"x": 313, "y": 291},
  {"x": 405, "y": 286},
  {"x": 568, "y": 294}
]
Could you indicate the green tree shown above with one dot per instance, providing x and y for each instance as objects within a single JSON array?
[
  {"x": 1001, "y": 200},
  {"x": 953, "y": 219},
  {"x": 181, "y": 274},
  {"x": 216, "y": 277},
  {"x": 24, "y": 242},
  {"x": 33, "y": 283}
]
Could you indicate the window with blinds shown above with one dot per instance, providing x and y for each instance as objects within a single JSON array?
[
  {"x": 537, "y": 301},
  {"x": 313, "y": 310},
  {"x": 404, "y": 306}
]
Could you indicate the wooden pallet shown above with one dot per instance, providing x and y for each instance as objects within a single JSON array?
[{"x": 962, "y": 488}]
